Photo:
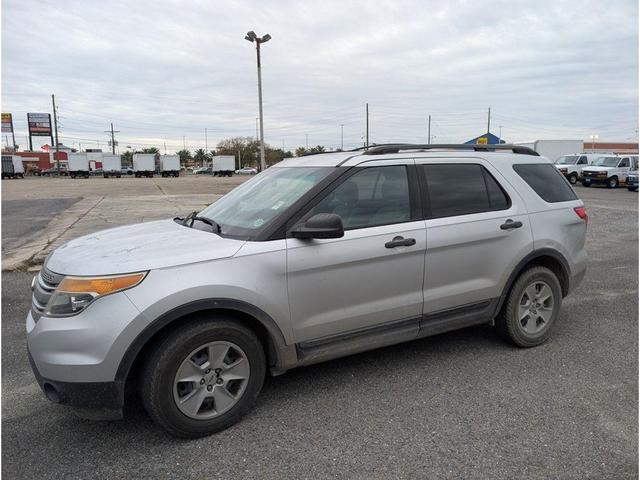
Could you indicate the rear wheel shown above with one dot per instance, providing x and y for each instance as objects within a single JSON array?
[
  {"x": 573, "y": 179},
  {"x": 203, "y": 378},
  {"x": 531, "y": 308},
  {"x": 586, "y": 184},
  {"x": 612, "y": 182},
  {"x": 632, "y": 189}
]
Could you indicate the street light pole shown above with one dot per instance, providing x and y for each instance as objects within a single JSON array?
[
  {"x": 253, "y": 38},
  {"x": 342, "y": 137}
]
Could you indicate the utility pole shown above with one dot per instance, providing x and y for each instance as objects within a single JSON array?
[
  {"x": 206, "y": 145},
  {"x": 184, "y": 144},
  {"x": 253, "y": 38},
  {"x": 55, "y": 125},
  {"x": 500, "y": 133},
  {"x": 429, "y": 131},
  {"x": 366, "y": 143},
  {"x": 489, "y": 121},
  {"x": 342, "y": 137},
  {"x": 165, "y": 147},
  {"x": 113, "y": 138},
  {"x": 307, "y": 142},
  {"x": 283, "y": 145},
  {"x": 257, "y": 129}
]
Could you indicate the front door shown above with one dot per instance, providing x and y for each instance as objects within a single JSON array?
[{"x": 363, "y": 279}]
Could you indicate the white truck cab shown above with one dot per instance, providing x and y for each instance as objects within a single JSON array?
[
  {"x": 571, "y": 166},
  {"x": 609, "y": 170}
]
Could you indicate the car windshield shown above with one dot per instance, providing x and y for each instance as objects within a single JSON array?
[
  {"x": 567, "y": 160},
  {"x": 607, "y": 162},
  {"x": 254, "y": 204}
]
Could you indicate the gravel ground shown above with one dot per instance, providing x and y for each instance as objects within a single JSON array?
[{"x": 459, "y": 405}]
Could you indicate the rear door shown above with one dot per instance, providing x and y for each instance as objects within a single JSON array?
[
  {"x": 363, "y": 280},
  {"x": 477, "y": 231}
]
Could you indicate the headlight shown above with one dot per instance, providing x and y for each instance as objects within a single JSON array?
[{"x": 74, "y": 294}]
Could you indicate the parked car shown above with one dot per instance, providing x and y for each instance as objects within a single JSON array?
[
  {"x": 314, "y": 259},
  {"x": 52, "y": 172},
  {"x": 203, "y": 171},
  {"x": 571, "y": 166},
  {"x": 247, "y": 171},
  {"x": 126, "y": 171},
  {"x": 607, "y": 170},
  {"x": 632, "y": 181},
  {"x": 97, "y": 172}
]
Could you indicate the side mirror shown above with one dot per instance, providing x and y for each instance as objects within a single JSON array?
[{"x": 322, "y": 225}]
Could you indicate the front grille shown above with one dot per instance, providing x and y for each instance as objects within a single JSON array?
[{"x": 45, "y": 284}]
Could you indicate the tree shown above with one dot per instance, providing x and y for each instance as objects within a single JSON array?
[
  {"x": 149, "y": 150},
  {"x": 127, "y": 158},
  {"x": 184, "y": 156},
  {"x": 300, "y": 151},
  {"x": 201, "y": 156}
]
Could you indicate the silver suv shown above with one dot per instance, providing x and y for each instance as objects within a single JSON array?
[{"x": 313, "y": 259}]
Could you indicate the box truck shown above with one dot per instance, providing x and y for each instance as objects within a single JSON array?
[
  {"x": 78, "y": 165},
  {"x": 223, "y": 165},
  {"x": 552, "y": 149},
  {"x": 111, "y": 165},
  {"x": 170, "y": 165},
  {"x": 12, "y": 166},
  {"x": 144, "y": 164}
]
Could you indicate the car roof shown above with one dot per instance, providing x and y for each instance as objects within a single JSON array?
[{"x": 349, "y": 159}]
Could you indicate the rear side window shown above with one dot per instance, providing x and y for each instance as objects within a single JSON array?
[
  {"x": 462, "y": 189},
  {"x": 546, "y": 181}
]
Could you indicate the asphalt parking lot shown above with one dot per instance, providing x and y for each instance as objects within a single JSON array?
[{"x": 458, "y": 405}]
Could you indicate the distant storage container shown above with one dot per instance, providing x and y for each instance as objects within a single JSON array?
[
  {"x": 223, "y": 165},
  {"x": 111, "y": 165},
  {"x": 144, "y": 164},
  {"x": 552, "y": 149},
  {"x": 170, "y": 165},
  {"x": 12, "y": 166},
  {"x": 78, "y": 165}
]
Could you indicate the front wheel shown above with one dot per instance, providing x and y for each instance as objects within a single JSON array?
[
  {"x": 632, "y": 189},
  {"x": 203, "y": 378},
  {"x": 586, "y": 184},
  {"x": 612, "y": 182},
  {"x": 573, "y": 179},
  {"x": 531, "y": 308}
]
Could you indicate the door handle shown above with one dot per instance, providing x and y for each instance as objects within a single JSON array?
[
  {"x": 400, "y": 242},
  {"x": 510, "y": 225}
]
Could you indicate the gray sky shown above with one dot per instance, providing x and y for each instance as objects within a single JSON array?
[{"x": 161, "y": 70}]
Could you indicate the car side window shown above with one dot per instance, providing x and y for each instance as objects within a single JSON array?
[
  {"x": 370, "y": 197},
  {"x": 624, "y": 162},
  {"x": 582, "y": 161},
  {"x": 462, "y": 189}
]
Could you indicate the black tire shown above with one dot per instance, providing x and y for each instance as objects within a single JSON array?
[
  {"x": 585, "y": 184},
  {"x": 508, "y": 323},
  {"x": 612, "y": 182},
  {"x": 632, "y": 189},
  {"x": 162, "y": 363},
  {"x": 573, "y": 179}
]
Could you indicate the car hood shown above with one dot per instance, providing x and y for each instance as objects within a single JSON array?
[
  {"x": 139, "y": 247},
  {"x": 564, "y": 165},
  {"x": 598, "y": 169}
]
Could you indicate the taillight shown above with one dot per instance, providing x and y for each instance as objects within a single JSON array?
[{"x": 582, "y": 213}]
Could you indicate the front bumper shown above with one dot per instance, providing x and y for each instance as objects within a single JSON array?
[
  {"x": 93, "y": 400},
  {"x": 595, "y": 179}
]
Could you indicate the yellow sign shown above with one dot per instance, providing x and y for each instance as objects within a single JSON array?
[{"x": 482, "y": 141}]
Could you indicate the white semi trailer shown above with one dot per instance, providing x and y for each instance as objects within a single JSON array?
[
  {"x": 12, "y": 166},
  {"x": 552, "y": 149},
  {"x": 144, "y": 164},
  {"x": 223, "y": 165},
  {"x": 78, "y": 165},
  {"x": 170, "y": 165},
  {"x": 111, "y": 165}
]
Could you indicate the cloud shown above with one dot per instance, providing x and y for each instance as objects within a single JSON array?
[{"x": 166, "y": 69}]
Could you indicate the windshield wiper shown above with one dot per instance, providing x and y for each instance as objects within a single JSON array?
[{"x": 193, "y": 217}]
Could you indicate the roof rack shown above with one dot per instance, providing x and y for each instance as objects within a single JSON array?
[{"x": 396, "y": 147}]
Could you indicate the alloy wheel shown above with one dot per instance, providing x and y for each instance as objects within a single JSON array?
[{"x": 535, "y": 308}]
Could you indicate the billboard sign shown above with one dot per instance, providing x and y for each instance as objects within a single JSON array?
[
  {"x": 39, "y": 124},
  {"x": 7, "y": 123}
]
